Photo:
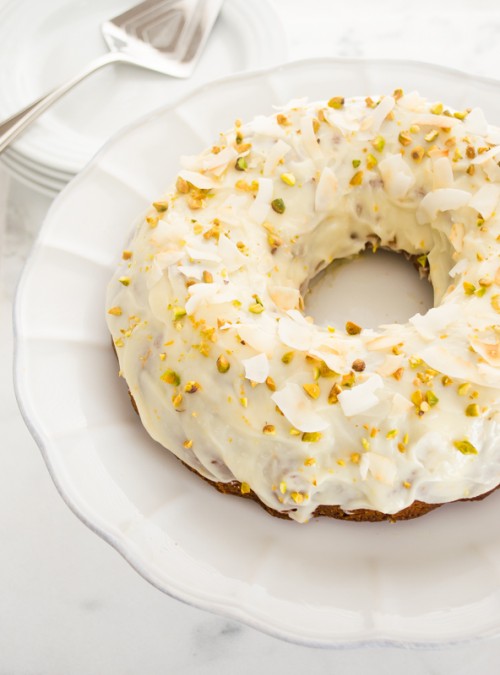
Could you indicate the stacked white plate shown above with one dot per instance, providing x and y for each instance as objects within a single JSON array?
[{"x": 44, "y": 43}]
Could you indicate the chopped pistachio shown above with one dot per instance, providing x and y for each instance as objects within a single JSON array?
[
  {"x": 415, "y": 361},
  {"x": 126, "y": 255},
  {"x": 414, "y": 129},
  {"x": 406, "y": 484},
  {"x": 270, "y": 383},
  {"x": 192, "y": 387},
  {"x": 468, "y": 288},
  {"x": 333, "y": 396},
  {"x": 404, "y": 138},
  {"x": 294, "y": 432},
  {"x": 278, "y": 205},
  {"x": 371, "y": 161},
  {"x": 178, "y": 313},
  {"x": 431, "y": 136},
  {"x": 422, "y": 260},
  {"x": 125, "y": 281},
  {"x": 288, "y": 357},
  {"x": 245, "y": 488},
  {"x": 310, "y": 461},
  {"x": 115, "y": 311},
  {"x": 311, "y": 436},
  {"x": 336, "y": 102},
  {"x": 188, "y": 444},
  {"x": 431, "y": 398},
  {"x": 171, "y": 377},
  {"x": 152, "y": 221},
  {"x": 446, "y": 381},
  {"x": 358, "y": 365},
  {"x": 417, "y": 398},
  {"x": 495, "y": 303},
  {"x": 244, "y": 402},
  {"x": 461, "y": 115},
  {"x": 119, "y": 342},
  {"x": 297, "y": 497},
  {"x": 465, "y": 447},
  {"x": 437, "y": 109},
  {"x": 378, "y": 143},
  {"x": 207, "y": 277},
  {"x": 241, "y": 164},
  {"x": 356, "y": 163},
  {"x": 357, "y": 179},
  {"x": 269, "y": 429},
  {"x": 274, "y": 241},
  {"x": 463, "y": 389},
  {"x": 417, "y": 153},
  {"x": 223, "y": 364},
  {"x": 177, "y": 400},
  {"x": 397, "y": 94},
  {"x": 398, "y": 374},
  {"x": 472, "y": 410},
  {"x": 313, "y": 390},
  {"x": 365, "y": 443},
  {"x": 288, "y": 179},
  {"x": 182, "y": 185},
  {"x": 161, "y": 207},
  {"x": 355, "y": 458},
  {"x": 352, "y": 328},
  {"x": 392, "y": 433},
  {"x": 282, "y": 487},
  {"x": 348, "y": 380},
  {"x": 256, "y": 308}
]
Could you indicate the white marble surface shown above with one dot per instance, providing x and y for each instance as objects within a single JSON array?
[{"x": 69, "y": 604}]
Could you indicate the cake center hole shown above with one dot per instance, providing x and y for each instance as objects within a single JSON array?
[{"x": 371, "y": 290}]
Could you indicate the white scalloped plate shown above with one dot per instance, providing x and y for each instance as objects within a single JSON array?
[{"x": 426, "y": 582}]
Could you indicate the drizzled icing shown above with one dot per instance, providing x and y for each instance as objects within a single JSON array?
[{"x": 207, "y": 314}]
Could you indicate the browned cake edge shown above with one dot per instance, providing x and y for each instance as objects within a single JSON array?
[{"x": 415, "y": 510}]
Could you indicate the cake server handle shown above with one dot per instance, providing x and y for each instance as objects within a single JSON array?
[{"x": 12, "y": 127}]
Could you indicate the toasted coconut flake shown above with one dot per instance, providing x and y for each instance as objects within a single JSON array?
[
  {"x": 199, "y": 294},
  {"x": 260, "y": 208},
  {"x": 485, "y": 156},
  {"x": 485, "y": 200},
  {"x": 390, "y": 364},
  {"x": 299, "y": 409},
  {"x": 454, "y": 365},
  {"x": 326, "y": 191},
  {"x": 436, "y": 319},
  {"x": 361, "y": 397},
  {"x": 489, "y": 351},
  {"x": 476, "y": 123},
  {"x": 262, "y": 338},
  {"x": 256, "y": 368},
  {"x": 460, "y": 267},
  {"x": 279, "y": 150},
  {"x": 374, "y": 121},
  {"x": 400, "y": 405},
  {"x": 285, "y": 297},
  {"x": 442, "y": 173},
  {"x": 382, "y": 468},
  {"x": 333, "y": 361},
  {"x": 231, "y": 257},
  {"x": 198, "y": 179},
  {"x": 444, "y": 199},
  {"x": 428, "y": 119},
  {"x": 397, "y": 176},
  {"x": 206, "y": 253},
  {"x": 308, "y": 137},
  {"x": 295, "y": 334}
]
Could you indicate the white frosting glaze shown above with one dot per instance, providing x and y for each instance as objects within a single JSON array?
[{"x": 304, "y": 416}]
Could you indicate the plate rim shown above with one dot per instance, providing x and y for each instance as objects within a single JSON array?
[
  {"x": 68, "y": 161},
  {"x": 220, "y": 605}
]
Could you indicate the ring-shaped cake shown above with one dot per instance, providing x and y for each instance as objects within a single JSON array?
[{"x": 228, "y": 372}]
